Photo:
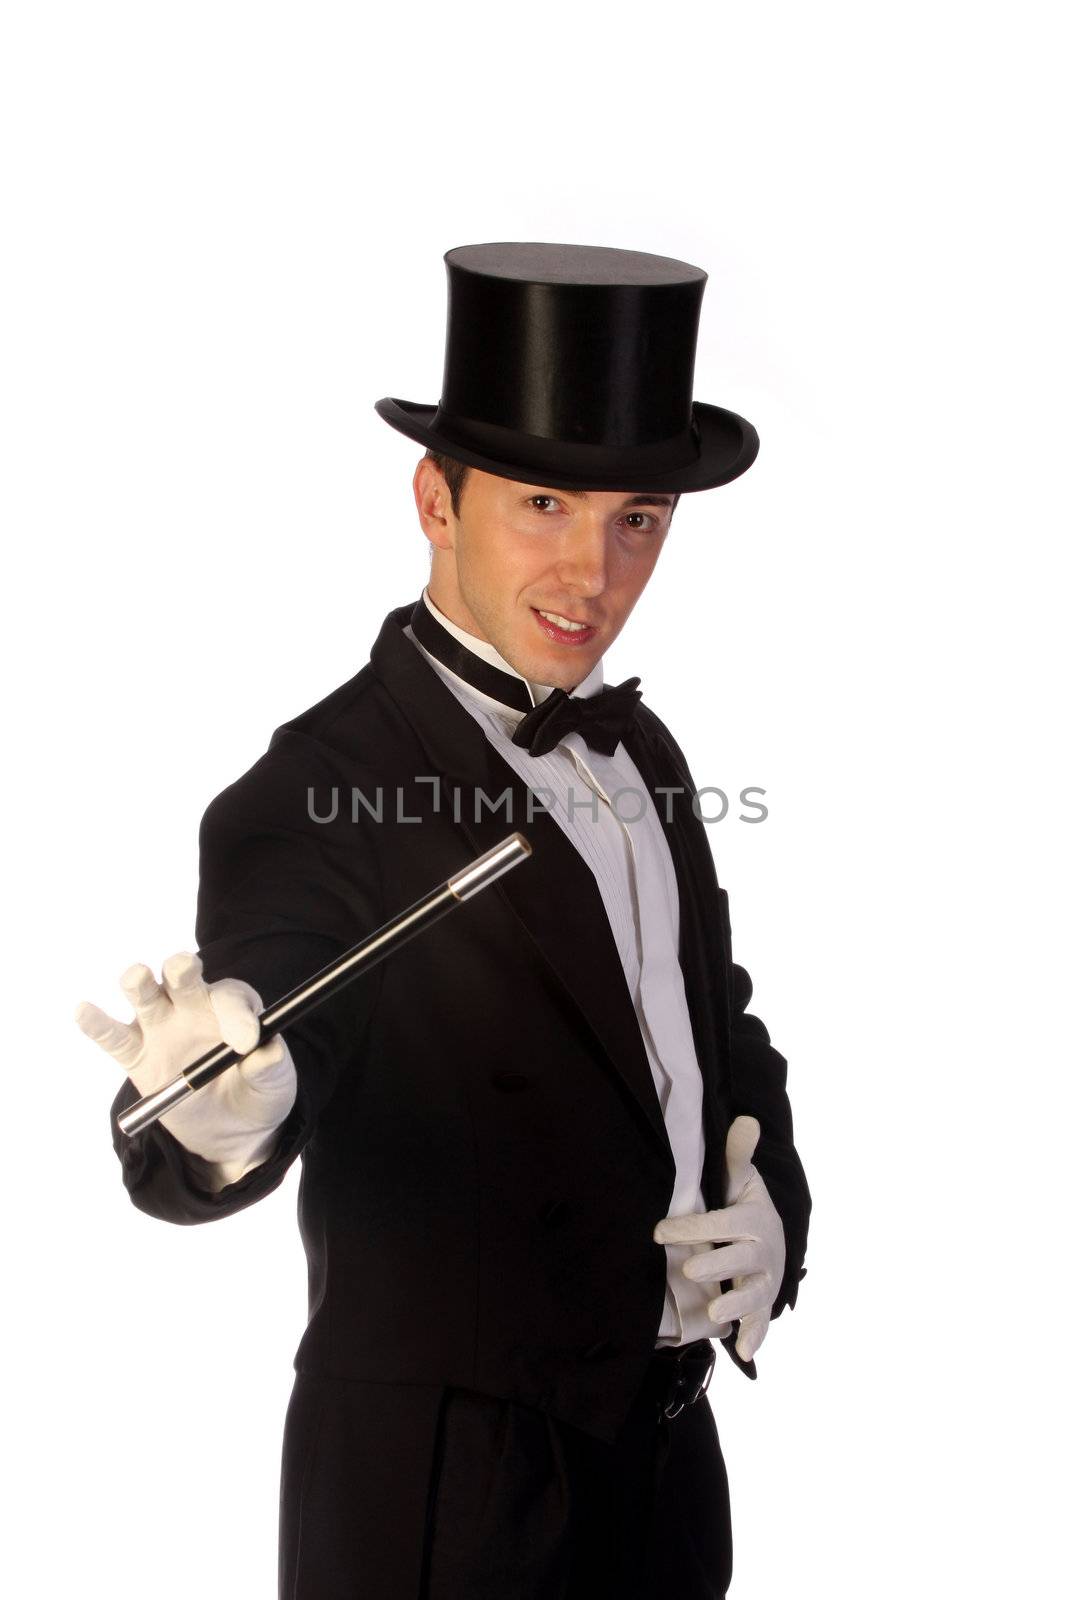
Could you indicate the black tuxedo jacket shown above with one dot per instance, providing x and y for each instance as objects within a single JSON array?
[{"x": 483, "y": 1153}]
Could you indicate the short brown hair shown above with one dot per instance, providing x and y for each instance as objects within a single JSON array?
[{"x": 455, "y": 475}]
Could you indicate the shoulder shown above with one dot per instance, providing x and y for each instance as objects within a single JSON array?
[
  {"x": 335, "y": 741},
  {"x": 657, "y": 731},
  {"x": 334, "y": 720}
]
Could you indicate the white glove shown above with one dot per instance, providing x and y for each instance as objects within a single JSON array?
[
  {"x": 755, "y": 1262},
  {"x": 231, "y": 1122}
]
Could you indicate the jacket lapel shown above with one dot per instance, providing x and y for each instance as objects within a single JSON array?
[
  {"x": 702, "y": 953},
  {"x": 554, "y": 895}
]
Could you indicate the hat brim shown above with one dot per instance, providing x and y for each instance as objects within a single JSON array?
[{"x": 727, "y": 447}]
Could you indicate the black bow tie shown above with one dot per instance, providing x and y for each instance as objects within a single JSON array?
[{"x": 602, "y": 719}]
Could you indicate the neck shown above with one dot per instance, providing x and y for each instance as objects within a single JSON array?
[
  {"x": 486, "y": 651},
  {"x": 481, "y": 665}
]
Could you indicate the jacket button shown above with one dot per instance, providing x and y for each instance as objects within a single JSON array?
[
  {"x": 507, "y": 1082},
  {"x": 555, "y": 1212}
]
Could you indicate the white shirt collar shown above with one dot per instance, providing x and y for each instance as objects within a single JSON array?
[{"x": 591, "y": 684}]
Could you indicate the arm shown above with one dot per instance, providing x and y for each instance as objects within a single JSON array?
[
  {"x": 280, "y": 896},
  {"x": 758, "y": 1074},
  {"x": 757, "y": 1239}
]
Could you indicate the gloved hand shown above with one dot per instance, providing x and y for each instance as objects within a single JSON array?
[
  {"x": 231, "y": 1121},
  {"x": 755, "y": 1262}
]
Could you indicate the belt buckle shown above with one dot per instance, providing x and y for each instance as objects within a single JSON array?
[
  {"x": 679, "y": 1399},
  {"x": 672, "y": 1409}
]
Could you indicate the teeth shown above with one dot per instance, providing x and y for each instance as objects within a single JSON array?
[{"x": 562, "y": 622}]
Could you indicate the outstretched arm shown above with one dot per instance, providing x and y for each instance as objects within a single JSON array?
[{"x": 280, "y": 896}]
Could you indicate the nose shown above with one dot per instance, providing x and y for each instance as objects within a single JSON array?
[{"x": 582, "y": 566}]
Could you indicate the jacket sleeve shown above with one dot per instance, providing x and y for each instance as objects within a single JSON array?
[
  {"x": 758, "y": 1089},
  {"x": 281, "y": 895},
  {"x": 758, "y": 1074}
]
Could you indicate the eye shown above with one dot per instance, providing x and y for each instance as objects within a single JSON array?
[{"x": 649, "y": 523}]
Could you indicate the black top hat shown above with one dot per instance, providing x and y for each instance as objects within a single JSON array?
[{"x": 572, "y": 365}]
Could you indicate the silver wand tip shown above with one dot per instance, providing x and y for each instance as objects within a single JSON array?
[{"x": 500, "y": 859}]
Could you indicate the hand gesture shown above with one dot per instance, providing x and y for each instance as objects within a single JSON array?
[
  {"x": 232, "y": 1119},
  {"x": 754, "y": 1259}
]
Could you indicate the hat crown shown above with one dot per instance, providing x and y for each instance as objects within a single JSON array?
[
  {"x": 578, "y": 264},
  {"x": 581, "y": 344},
  {"x": 572, "y": 365}
]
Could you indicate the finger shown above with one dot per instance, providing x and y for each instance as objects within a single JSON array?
[
  {"x": 689, "y": 1229},
  {"x": 728, "y": 1222},
  {"x": 741, "y": 1140},
  {"x": 121, "y": 1040},
  {"x": 261, "y": 1068},
  {"x": 752, "y": 1294},
  {"x": 726, "y": 1261},
  {"x": 751, "y": 1334},
  {"x": 183, "y": 979},
  {"x": 238, "y": 1022},
  {"x": 144, "y": 994}
]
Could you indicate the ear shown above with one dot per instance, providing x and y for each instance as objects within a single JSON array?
[{"x": 433, "y": 501}]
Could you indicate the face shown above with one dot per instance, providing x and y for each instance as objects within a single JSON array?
[{"x": 520, "y": 549}]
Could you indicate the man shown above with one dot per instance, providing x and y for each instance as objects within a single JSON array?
[{"x": 547, "y": 1156}]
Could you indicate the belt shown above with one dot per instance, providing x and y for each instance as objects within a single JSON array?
[{"x": 680, "y": 1374}]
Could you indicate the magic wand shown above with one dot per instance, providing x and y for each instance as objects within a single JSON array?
[{"x": 433, "y": 905}]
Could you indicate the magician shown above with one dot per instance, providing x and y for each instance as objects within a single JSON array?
[{"x": 547, "y": 1154}]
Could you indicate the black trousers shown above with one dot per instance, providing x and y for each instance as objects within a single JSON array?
[{"x": 402, "y": 1492}]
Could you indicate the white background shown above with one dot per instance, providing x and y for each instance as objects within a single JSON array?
[{"x": 224, "y": 230}]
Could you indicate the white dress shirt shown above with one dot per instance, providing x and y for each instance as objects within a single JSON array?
[{"x": 634, "y": 871}]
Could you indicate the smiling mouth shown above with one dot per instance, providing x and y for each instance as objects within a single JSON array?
[{"x": 559, "y": 619}]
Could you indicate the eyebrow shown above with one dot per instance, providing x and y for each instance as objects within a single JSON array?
[{"x": 634, "y": 500}]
